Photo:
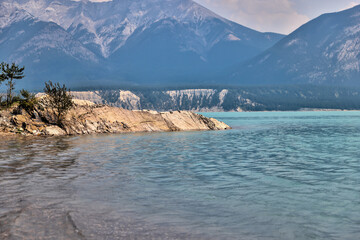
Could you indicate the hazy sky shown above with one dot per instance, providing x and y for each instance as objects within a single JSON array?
[{"x": 282, "y": 16}]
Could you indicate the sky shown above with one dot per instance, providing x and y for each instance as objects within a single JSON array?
[{"x": 281, "y": 16}]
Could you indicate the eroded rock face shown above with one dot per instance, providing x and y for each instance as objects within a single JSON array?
[
  {"x": 88, "y": 118},
  {"x": 105, "y": 119}
]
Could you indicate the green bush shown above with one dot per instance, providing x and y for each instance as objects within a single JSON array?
[
  {"x": 10, "y": 73},
  {"x": 27, "y": 101},
  {"x": 58, "y": 99}
]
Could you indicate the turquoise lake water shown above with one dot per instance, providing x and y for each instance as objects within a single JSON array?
[{"x": 287, "y": 175}]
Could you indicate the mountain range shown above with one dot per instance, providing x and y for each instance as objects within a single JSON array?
[
  {"x": 123, "y": 42},
  {"x": 324, "y": 51},
  {"x": 170, "y": 43}
]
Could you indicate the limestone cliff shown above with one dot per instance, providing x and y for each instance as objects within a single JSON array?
[
  {"x": 89, "y": 118},
  {"x": 197, "y": 100}
]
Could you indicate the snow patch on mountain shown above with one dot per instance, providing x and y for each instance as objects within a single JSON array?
[
  {"x": 232, "y": 37},
  {"x": 293, "y": 42},
  {"x": 110, "y": 24},
  {"x": 59, "y": 40},
  {"x": 9, "y": 14}
]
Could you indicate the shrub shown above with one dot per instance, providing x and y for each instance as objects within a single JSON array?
[
  {"x": 28, "y": 101},
  {"x": 10, "y": 73},
  {"x": 58, "y": 99}
]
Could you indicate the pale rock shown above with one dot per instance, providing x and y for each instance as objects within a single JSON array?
[{"x": 54, "y": 131}]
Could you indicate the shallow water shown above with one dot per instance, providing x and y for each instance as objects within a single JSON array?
[{"x": 274, "y": 176}]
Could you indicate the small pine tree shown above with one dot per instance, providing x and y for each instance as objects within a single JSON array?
[
  {"x": 58, "y": 99},
  {"x": 28, "y": 101},
  {"x": 2, "y": 79},
  {"x": 10, "y": 73},
  {"x": 2, "y": 75}
]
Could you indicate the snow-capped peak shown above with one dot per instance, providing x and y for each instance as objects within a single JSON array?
[
  {"x": 10, "y": 14},
  {"x": 113, "y": 40},
  {"x": 108, "y": 21}
]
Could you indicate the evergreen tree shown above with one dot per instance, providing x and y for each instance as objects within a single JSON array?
[
  {"x": 58, "y": 99},
  {"x": 2, "y": 78},
  {"x": 2, "y": 75},
  {"x": 28, "y": 101},
  {"x": 10, "y": 73}
]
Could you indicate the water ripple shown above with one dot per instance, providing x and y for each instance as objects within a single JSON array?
[{"x": 274, "y": 176}]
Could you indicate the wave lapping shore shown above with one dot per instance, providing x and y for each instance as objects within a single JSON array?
[{"x": 89, "y": 118}]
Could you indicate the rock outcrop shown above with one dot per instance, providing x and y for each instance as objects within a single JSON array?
[{"x": 89, "y": 118}]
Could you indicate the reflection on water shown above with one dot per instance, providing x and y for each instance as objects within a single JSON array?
[
  {"x": 275, "y": 176},
  {"x": 34, "y": 174}
]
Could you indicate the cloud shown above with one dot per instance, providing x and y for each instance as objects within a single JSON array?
[{"x": 263, "y": 15}]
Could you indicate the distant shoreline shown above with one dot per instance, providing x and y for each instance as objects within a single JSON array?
[
  {"x": 314, "y": 110},
  {"x": 229, "y": 99},
  {"x": 302, "y": 110}
]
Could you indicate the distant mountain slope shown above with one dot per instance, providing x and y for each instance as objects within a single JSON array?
[
  {"x": 323, "y": 51},
  {"x": 164, "y": 57},
  {"x": 132, "y": 41},
  {"x": 46, "y": 49}
]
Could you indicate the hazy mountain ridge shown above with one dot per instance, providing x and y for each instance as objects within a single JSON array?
[
  {"x": 122, "y": 38},
  {"x": 324, "y": 51},
  {"x": 256, "y": 98}
]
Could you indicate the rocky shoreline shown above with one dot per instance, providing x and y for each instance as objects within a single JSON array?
[{"x": 89, "y": 118}]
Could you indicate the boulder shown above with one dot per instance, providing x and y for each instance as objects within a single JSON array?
[
  {"x": 19, "y": 120},
  {"x": 54, "y": 131}
]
